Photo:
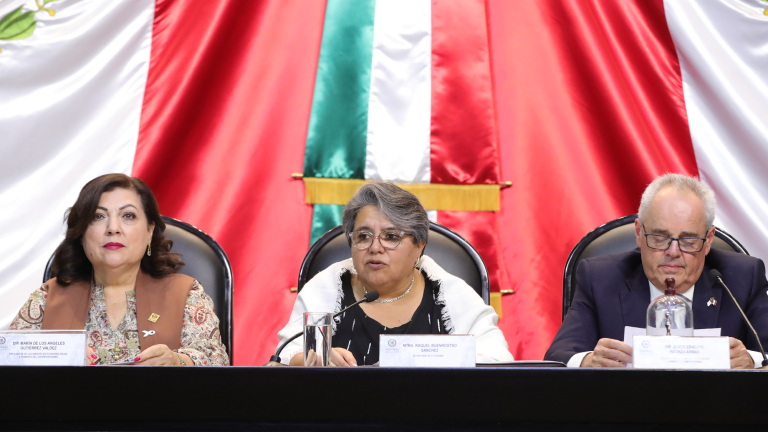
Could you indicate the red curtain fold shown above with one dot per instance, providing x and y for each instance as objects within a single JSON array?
[
  {"x": 590, "y": 107},
  {"x": 223, "y": 127},
  {"x": 463, "y": 147},
  {"x": 481, "y": 230}
]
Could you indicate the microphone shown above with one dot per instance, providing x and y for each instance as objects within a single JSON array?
[
  {"x": 369, "y": 297},
  {"x": 716, "y": 274}
]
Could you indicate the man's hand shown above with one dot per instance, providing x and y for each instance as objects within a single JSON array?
[
  {"x": 740, "y": 358},
  {"x": 608, "y": 353}
]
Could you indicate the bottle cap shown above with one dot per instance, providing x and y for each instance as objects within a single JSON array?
[{"x": 670, "y": 281}]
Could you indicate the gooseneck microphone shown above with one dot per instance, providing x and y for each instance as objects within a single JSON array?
[
  {"x": 716, "y": 274},
  {"x": 369, "y": 297}
]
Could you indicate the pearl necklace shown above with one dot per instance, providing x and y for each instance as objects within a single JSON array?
[{"x": 413, "y": 278}]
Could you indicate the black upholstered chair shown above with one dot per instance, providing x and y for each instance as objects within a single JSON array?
[
  {"x": 205, "y": 261},
  {"x": 619, "y": 236},
  {"x": 454, "y": 254}
]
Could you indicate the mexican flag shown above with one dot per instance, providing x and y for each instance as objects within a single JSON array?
[
  {"x": 403, "y": 93},
  {"x": 215, "y": 104}
]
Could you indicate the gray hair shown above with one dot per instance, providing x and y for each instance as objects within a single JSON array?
[
  {"x": 399, "y": 206},
  {"x": 681, "y": 183}
]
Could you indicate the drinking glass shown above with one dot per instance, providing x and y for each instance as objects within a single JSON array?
[{"x": 317, "y": 338}]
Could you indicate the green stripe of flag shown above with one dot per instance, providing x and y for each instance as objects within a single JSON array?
[
  {"x": 338, "y": 124},
  {"x": 324, "y": 217}
]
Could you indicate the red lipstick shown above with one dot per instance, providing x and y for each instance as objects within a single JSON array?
[{"x": 113, "y": 246}]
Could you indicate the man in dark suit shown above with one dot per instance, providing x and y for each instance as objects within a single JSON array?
[{"x": 674, "y": 234}]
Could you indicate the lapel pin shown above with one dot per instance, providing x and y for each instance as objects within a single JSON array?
[
  {"x": 712, "y": 302},
  {"x": 153, "y": 318},
  {"x": 148, "y": 333}
]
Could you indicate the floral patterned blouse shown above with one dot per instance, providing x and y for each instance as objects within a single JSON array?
[{"x": 200, "y": 337}]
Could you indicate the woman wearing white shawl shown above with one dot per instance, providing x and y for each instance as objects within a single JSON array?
[{"x": 387, "y": 229}]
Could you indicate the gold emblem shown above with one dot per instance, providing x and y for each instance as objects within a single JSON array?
[{"x": 153, "y": 318}]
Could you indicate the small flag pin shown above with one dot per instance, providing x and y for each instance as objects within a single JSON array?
[{"x": 712, "y": 302}]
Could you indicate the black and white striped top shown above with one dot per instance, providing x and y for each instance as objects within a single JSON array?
[{"x": 359, "y": 334}]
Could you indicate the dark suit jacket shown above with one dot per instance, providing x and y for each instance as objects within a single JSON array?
[{"x": 612, "y": 292}]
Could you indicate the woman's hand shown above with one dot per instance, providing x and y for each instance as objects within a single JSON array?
[
  {"x": 312, "y": 359},
  {"x": 342, "y": 357},
  {"x": 90, "y": 356},
  {"x": 158, "y": 355},
  {"x": 297, "y": 360},
  {"x": 339, "y": 357}
]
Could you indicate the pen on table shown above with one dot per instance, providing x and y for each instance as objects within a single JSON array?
[{"x": 128, "y": 363}]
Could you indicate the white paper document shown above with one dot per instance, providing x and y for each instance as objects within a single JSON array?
[
  {"x": 427, "y": 350},
  {"x": 42, "y": 347}
]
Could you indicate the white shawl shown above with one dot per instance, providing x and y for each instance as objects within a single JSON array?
[{"x": 464, "y": 312}]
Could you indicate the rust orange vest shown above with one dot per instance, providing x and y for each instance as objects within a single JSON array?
[{"x": 66, "y": 307}]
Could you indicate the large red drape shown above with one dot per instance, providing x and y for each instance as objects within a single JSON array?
[
  {"x": 223, "y": 127},
  {"x": 589, "y": 105}
]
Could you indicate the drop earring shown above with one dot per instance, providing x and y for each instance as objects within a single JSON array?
[{"x": 149, "y": 249}]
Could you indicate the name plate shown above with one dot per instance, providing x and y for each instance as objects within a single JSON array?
[
  {"x": 427, "y": 350},
  {"x": 42, "y": 347},
  {"x": 676, "y": 352}
]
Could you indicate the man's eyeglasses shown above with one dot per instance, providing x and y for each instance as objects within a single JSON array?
[
  {"x": 388, "y": 239},
  {"x": 662, "y": 242}
]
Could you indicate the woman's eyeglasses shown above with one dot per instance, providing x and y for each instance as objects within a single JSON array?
[{"x": 388, "y": 239}]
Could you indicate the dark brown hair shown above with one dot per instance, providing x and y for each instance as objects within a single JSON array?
[{"x": 71, "y": 264}]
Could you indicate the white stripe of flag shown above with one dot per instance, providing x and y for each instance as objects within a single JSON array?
[
  {"x": 723, "y": 51},
  {"x": 400, "y": 99}
]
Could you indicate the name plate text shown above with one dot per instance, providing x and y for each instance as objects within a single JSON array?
[
  {"x": 676, "y": 352},
  {"x": 42, "y": 347},
  {"x": 427, "y": 350}
]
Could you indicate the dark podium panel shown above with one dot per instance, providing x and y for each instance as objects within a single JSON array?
[{"x": 368, "y": 398}]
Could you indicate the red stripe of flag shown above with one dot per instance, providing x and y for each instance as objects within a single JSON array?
[
  {"x": 463, "y": 133},
  {"x": 463, "y": 141}
]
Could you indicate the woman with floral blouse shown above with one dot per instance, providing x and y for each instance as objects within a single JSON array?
[{"x": 116, "y": 277}]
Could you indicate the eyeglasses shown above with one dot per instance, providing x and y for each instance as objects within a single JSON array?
[
  {"x": 362, "y": 240},
  {"x": 662, "y": 242}
]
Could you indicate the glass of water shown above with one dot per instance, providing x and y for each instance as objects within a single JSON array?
[{"x": 317, "y": 338}]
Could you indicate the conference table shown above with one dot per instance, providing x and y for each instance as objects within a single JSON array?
[{"x": 373, "y": 398}]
